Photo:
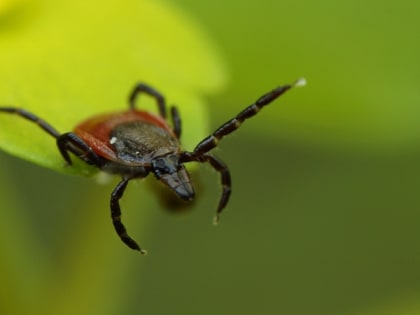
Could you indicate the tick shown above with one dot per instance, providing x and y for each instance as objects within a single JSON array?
[{"x": 134, "y": 143}]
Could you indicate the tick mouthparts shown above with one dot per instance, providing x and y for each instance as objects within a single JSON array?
[
  {"x": 185, "y": 191},
  {"x": 179, "y": 182}
]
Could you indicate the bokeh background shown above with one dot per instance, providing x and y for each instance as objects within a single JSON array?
[{"x": 324, "y": 216}]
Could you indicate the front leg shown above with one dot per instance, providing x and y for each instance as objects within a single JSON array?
[
  {"x": 116, "y": 216},
  {"x": 225, "y": 179},
  {"x": 222, "y": 169},
  {"x": 230, "y": 126},
  {"x": 73, "y": 143}
]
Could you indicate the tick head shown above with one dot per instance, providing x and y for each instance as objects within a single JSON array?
[{"x": 173, "y": 174}]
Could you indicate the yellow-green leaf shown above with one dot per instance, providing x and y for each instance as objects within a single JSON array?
[{"x": 65, "y": 61}]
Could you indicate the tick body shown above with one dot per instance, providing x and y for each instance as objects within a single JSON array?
[{"x": 134, "y": 143}]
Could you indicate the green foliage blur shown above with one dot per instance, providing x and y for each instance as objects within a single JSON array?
[{"x": 324, "y": 217}]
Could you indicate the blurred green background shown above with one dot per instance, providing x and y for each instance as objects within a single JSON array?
[{"x": 324, "y": 217}]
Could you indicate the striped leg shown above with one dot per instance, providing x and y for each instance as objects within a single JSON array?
[
  {"x": 31, "y": 117},
  {"x": 211, "y": 141},
  {"x": 116, "y": 216}
]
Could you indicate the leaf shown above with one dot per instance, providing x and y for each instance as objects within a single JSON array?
[{"x": 66, "y": 61}]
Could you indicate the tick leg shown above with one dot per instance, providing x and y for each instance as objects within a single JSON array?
[
  {"x": 71, "y": 142},
  {"x": 211, "y": 141},
  {"x": 31, "y": 117},
  {"x": 223, "y": 170},
  {"x": 116, "y": 216},
  {"x": 176, "y": 121},
  {"x": 144, "y": 88}
]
